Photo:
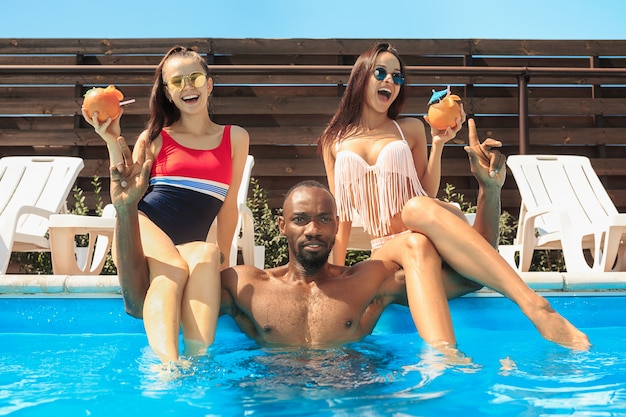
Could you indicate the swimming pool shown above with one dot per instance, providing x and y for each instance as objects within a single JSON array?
[{"x": 82, "y": 356}]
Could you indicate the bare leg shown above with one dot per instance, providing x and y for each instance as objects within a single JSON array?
[
  {"x": 424, "y": 286},
  {"x": 168, "y": 277},
  {"x": 455, "y": 284},
  {"x": 201, "y": 296},
  {"x": 468, "y": 253},
  {"x": 161, "y": 310}
]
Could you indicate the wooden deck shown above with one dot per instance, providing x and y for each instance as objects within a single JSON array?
[{"x": 564, "y": 97}]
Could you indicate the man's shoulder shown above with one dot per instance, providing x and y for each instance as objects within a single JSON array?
[
  {"x": 376, "y": 277},
  {"x": 243, "y": 272},
  {"x": 254, "y": 273},
  {"x": 373, "y": 267}
]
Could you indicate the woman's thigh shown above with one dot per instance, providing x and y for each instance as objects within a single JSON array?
[
  {"x": 410, "y": 249},
  {"x": 162, "y": 255}
]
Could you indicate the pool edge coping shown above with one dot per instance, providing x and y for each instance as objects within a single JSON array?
[
  {"x": 21, "y": 284},
  {"x": 16, "y": 284}
]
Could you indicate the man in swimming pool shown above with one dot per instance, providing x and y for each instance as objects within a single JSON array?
[{"x": 310, "y": 302}]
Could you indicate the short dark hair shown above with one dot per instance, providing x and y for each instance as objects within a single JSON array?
[{"x": 307, "y": 184}]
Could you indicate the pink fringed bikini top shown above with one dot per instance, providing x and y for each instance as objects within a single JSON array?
[{"x": 376, "y": 193}]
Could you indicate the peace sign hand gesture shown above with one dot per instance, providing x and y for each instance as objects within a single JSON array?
[
  {"x": 487, "y": 165},
  {"x": 129, "y": 178}
]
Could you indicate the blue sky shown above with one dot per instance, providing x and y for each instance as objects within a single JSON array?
[{"x": 384, "y": 19}]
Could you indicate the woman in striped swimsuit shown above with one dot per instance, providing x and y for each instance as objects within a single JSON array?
[
  {"x": 379, "y": 168},
  {"x": 196, "y": 172}
]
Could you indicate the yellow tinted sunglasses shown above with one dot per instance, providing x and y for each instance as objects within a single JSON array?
[{"x": 196, "y": 79}]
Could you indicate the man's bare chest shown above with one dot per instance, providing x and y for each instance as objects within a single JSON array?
[{"x": 307, "y": 316}]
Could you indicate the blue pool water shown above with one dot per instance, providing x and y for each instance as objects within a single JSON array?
[{"x": 85, "y": 357}]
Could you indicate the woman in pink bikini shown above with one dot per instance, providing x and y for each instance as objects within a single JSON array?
[
  {"x": 378, "y": 167},
  {"x": 196, "y": 172}
]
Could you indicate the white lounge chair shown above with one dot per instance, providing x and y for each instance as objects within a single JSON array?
[
  {"x": 32, "y": 189},
  {"x": 565, "y": 206},
  {"x": 244, "y": 233}
]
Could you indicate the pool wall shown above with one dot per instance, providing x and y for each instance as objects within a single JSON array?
[
  {"x": 105, "y": 315},
  {"x": 49, "y": 301}
]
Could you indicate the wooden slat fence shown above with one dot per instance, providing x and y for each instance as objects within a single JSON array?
[{"x": 563, "y": 97}]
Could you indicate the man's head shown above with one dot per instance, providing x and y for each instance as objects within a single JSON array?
[{"x": 309, "y": 222}]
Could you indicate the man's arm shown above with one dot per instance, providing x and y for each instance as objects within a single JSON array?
[
  {"x": 228, "y": 281},
  {"x": 129, "y": 180},
  {"x": 231, "y": 300},
  {"x": 488, "y": 166},
  {"x": 131, "y": 263}
]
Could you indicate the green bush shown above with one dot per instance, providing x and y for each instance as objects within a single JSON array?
[
  {"x": 356, "y": 256},
  {"x": 266, "y": 232},
  {"x": 36, "y": 263}
]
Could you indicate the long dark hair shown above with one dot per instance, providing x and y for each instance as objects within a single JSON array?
[
  {"x": 162, "y": 111},
  {"x": 351, "y": 104}
]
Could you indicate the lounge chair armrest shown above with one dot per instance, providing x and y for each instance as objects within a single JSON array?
[
  {"x": 535, "y": 213},
  {"x": 85, "y": 223},
  {"x": 37, "y": 211},
  {"x": 529, "y": 223}
]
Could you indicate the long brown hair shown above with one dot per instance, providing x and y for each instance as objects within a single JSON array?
[
  {"x": 351, "y": 104},
  {"x": 162, "y": 111}
]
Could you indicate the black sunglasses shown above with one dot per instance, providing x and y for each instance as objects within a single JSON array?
[{"x": 381, "y": 73}]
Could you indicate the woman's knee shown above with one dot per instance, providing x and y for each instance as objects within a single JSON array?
[
  {"x": 418, "y": 243},
  {"x": 174, "y": 269},
  {"x": 204, "y": 265},
  {"x": 196, "y": 253},
  {"x": 419, "y": 254},
  {"x": 418, "y": 211}
]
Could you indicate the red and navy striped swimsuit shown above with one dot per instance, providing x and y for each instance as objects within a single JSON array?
[{"x": 187, "y": 188}]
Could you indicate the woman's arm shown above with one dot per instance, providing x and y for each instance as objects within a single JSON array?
[
  {"x": 343, "y": 234},
  {"x": 109, "y": 131},
  {"x": 229, "y": 213},
  {"x": 340, "y": 249},
  {"x": 428, "y": 167}
]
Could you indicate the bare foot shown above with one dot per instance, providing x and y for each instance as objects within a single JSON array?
[{"x": 555, "y": 328}]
